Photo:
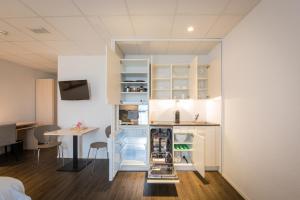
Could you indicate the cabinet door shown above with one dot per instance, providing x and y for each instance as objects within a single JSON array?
[
  {"x": 199, "y": 154},
  {"x": 113, "y": 77},
  {"x": 193, "y": 78},
  {"x": 210, "y": 145},
  {"x": 214, "y": 78}
]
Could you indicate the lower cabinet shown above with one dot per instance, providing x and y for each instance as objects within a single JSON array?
[
  {"x": 162, "y": 151},
  {"x": 194, "y": 145}
]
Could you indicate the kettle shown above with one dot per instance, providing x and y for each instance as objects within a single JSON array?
[{"x": 177, "y": 117}]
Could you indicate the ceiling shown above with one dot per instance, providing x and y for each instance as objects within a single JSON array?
[{"x": 84, "y": 27}]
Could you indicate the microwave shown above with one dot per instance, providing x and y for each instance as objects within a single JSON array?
[{"x": 133, "y": 114}]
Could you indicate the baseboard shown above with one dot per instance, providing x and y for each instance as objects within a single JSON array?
[{"x": 235, "y": 187}]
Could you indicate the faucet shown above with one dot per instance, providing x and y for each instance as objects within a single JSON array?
[{"x": 196, "y": 117}]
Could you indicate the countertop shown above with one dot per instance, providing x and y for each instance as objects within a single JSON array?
[{"x": 182, "y": 123}]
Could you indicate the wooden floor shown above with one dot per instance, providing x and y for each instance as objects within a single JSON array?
[{"x": 44, "y": 182}]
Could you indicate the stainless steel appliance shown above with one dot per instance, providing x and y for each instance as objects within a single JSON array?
[
  {"x": 161, "y": 156},
  {"x": 133, "y": 114}
]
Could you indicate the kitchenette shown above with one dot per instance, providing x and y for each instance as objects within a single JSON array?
[{"x": 167, "y": 109}]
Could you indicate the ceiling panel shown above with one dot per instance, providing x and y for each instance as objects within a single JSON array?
[
  {"x": 92, "y": 47},
  {"x": 25, "y": 24},
  {"x": 152, "y": 26},
  {"x": 53, "y": 7},
  {"x": 74, "y": 28},
  {"x": 13, "y": 34},
  {"x": 240, "y": 7},
  {"x": 118, "y": 26},
  {"x": 65, "y": 48},
  {"x": 97, "y": 23},
  {"x": 102, "y": 7},
  {"x": 201, "y": 25},
  {"x": 13, "y": 8},
  {"x": 197, "y": 7},
  {"x": 39, "y": 49},
  {"x": 153, "y": 7},
  {"x": 223, "y": 25},
  {"x": 10, "y": 48}
]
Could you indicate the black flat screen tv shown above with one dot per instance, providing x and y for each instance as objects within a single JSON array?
[{"x": 74, "y": 90}]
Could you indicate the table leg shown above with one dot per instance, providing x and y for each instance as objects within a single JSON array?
[
  {"x": 76, "y": 164},
  {"x": 75, "y": 151}
]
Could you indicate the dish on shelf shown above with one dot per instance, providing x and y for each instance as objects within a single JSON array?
[
  {"x": 180, "y": 137},
  {"x": 181, "y": 147}
]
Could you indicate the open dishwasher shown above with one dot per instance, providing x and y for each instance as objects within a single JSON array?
[{"x": 161, "y": 156}]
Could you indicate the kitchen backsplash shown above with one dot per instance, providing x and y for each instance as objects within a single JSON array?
[{"x": 164, "y": 110}]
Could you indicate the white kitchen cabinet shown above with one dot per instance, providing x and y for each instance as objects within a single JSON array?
[
  {"x": 113, "y": 78},
  {"x": 198, "y": 137},
  {"x": 127, "y": 80},
  {"x": 174, "y": 81},
  {"x": 188, "y": 149},
  {"x": 214, "y": 79},
  {"x": 212, "y": 145}
]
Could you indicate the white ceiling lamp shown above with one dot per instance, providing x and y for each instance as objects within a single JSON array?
[
  {"x": 190, "y": 28},
  {"x": 2, "y": 32}
]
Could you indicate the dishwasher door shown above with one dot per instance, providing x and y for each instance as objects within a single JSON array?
[{"x": 161, "y": 157}]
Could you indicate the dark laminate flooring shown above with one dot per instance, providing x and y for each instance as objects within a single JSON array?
[{"x": 44, "y": 182}]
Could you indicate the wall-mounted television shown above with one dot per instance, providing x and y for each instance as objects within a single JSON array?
[{"x": 74, "y": 90}]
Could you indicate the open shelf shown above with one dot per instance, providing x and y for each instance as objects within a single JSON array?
[
  {"x": 134, "y": 82},
  {"x": 134, "y": 77},
  {"x": 134, "y": 92}
]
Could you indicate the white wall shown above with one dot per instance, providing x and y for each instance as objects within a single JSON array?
[
  {"x": 261, "y": 77},
  {"x": 17, "y": 98},
  {"x": 94, "y": 112},
  {"x": 17, "y": 87}
]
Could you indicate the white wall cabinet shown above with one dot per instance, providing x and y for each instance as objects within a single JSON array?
[
  {"x": 127, "y": 80},
  {"x": 186, "y": 81},
  {"x": 113, "y": 79}
]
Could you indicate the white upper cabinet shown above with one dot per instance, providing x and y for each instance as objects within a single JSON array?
[
  {"x": 113, "y": 79},
  {"x": 214, "y": 78},
  {"x": 214, "y": 72},
  {"x": 193, "y": 78},
  {"x": 193, "y": 71}
]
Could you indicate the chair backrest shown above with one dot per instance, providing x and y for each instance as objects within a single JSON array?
[
  {"x": 40, "y": 130},
  {"x": 108, "y": 131},
  {"x": 8, "y": 134}
]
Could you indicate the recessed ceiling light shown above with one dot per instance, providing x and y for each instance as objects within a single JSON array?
[
  {"x": 2, "y": 32},
  {"x": 190, "y": 29}
]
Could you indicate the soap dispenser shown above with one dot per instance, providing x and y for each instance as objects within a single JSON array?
[{"x": 177, "y": 117}]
